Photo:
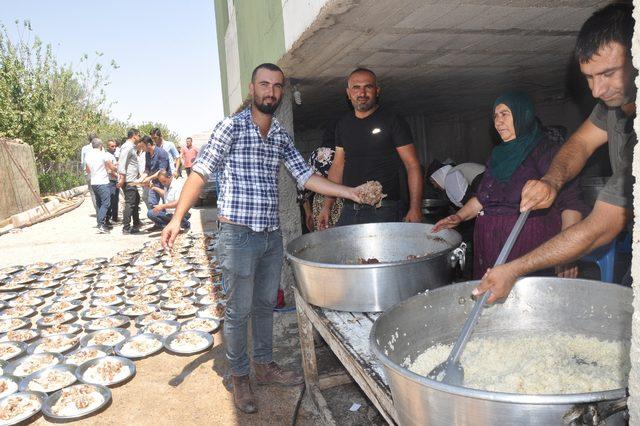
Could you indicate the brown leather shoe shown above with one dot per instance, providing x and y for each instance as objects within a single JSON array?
[
  {"x": 272, "y": 373},
  {"x": 243, "y": 395}
]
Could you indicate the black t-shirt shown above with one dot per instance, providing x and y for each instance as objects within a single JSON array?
[{"x": 370, "y": 149}]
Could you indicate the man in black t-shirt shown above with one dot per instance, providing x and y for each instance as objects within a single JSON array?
[{"x": 372, "y": 144}]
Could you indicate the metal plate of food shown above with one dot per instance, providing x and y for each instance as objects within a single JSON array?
[
  {"x": 45, "y": 284},
  {"x": 8, "y": 384},
  {"x": 50, "y": 379},
  {"x": 147, "y": 289},
  {"x": 11, "y": 350},
  {"x": 215, "y": 312},
  {"x": 71, "y": 297},
  {"x": 140, "y": 346},
  {"x": 19, "y": 407},
  {"x": 142, "y": 299},
  {"x": 21, "y": 335},
  {"x": 112, "y": 300},
  {"x": 186, "y": 310},
  {"x": 61, "y": 329},
  {"x": 135, "y": 310},
  {"x": 106, "y": 291},
  {"x": 74, "y": 287},
  {"x": 7, "y": 325},
  {"x": 55, "y": 319},
  {"x": 60, "y": 344},
  {"x": 84, "y": 268},
  {"x": 208, "y": 325},
  {"x": 82, "y": 355},
  {"x": 106, "y": 337},
  {"x": 76, "y": 401},
  {"x": 188, "y": 342},
  {"x": 32, "y": 363},
  {"x": 10, "y": 270},
  {"x": 202, "y": 274},
  {"x": 8, "y": 295},
  {"x": 120, "y": 275},
  {"x": 112, "y": 321},
  {"x": 38, "y": 292},
  {"x": 24, "y": 300},
  {"x": 17, "y": 312},
  {"x": 61, "y": 306},
  {"x": 97, "y": 312},
  {"x": 176, "y": 292},
  {"x": 145, "y": 320},
  {"x": 106, "y": 371},
  {"x": 163, "y": 328}
]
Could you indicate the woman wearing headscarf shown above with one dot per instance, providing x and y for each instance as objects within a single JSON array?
[{"x": 524, "y": 153}]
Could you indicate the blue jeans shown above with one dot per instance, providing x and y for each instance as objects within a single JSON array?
[
  {"x": 163, "y": 218},
  {"x": 367, "y": 214},
  {"x": 251, "y": 267},
  {"x": 103, "y": 200}
]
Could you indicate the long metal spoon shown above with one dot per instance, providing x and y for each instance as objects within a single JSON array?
[{"x": 451, "y": 370}]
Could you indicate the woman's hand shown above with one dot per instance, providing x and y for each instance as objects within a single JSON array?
[
  {"x": 569, "y": 270},
  {"x": 447, "y": 223}
]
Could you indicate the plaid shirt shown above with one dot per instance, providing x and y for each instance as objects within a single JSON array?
[{"x": 248, "y": 168}]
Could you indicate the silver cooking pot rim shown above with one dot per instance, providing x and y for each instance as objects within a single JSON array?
[{"x": 575, "y": 398}]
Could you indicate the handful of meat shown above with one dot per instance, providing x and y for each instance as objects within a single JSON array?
[{"x": 371, "y": 193}]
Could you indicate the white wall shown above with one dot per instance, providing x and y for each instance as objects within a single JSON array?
[
  {"x": 233, "y": 61},
  {"x": 297, "y": 16}
]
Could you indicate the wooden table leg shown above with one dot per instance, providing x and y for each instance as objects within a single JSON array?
[{"x": 309, "y": 362}]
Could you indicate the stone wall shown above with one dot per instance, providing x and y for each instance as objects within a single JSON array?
[
  {"x": 289, "y": 211},
  {"x": 16, "y": 193}
]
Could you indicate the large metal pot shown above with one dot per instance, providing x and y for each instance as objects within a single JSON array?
[
  {"x": 328, "y": 275},
  {"x": 592, "y": 308}
]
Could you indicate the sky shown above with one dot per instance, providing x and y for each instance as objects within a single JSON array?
[{"x": 166, "y": 52}]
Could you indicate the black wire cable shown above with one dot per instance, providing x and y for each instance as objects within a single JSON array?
[{"x": 294, "y": 418}]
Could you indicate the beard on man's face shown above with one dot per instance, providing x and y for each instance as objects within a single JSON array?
[{"x": 264, "y": 107}]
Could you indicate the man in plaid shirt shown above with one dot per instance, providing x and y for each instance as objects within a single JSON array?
[{"x": 246, "y": 150}]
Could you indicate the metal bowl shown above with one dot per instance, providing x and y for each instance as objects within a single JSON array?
[
  {"x": 103, "y": 351},
  {"x": 215, "y": 325},
  {"x": 74, "y": 340},
  {"x": 13, "y": 384},
  {"x": 536, "y": 305},
  {"x": 82, "y": 370},
  {"x": 88, "y": 315},
  {"x": 327, "y": 272},
  {"x": 10, "y": 336},
  {"x": 169, "y": 341},
  {"x": 14, "y": 366},
  {"x": 86, "y": 340},
  {"x": 175, "y": 325},
  {"x": 20, "y": 347},
  {"x": 25, "y": 382},
  {"x": 24, "y": 416},
  {"x": 65, "y": 318},
  {"x": 139, "y": 337},
  {"x": 114, "y": 321},
  {"x": 53, "y": 308},
  {"x": 51, "y": 400}
]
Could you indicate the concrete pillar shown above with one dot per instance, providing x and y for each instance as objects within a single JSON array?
[
  {"x": 634, "y": 377},
  {"x": 289, "y": 210}
]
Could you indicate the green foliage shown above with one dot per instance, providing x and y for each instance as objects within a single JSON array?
[
  {"x": 56, "y": 181},
  {"x": 54, "y": 107},
  {"x": 168, "y": 135}
]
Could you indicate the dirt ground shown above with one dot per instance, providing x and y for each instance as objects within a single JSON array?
[{"x": 184, "y": 390}]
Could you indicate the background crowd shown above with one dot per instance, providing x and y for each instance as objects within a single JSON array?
[{"x": 143, "y": 168}]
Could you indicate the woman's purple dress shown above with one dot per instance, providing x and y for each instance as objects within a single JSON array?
[{"x": 501, "y": 207}]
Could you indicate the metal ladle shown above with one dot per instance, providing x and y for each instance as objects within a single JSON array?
[{"x": 451, "y": 370}]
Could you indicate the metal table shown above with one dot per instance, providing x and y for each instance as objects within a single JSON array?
[{"x": 347, "y": 334}]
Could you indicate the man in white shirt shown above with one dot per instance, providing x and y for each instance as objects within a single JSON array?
[
  {"x": 83, "y": 153},
  {"x": 161, "y": 214},
  {"x": 168, "y": 146},
  {"x": 98, "y": 166}
]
